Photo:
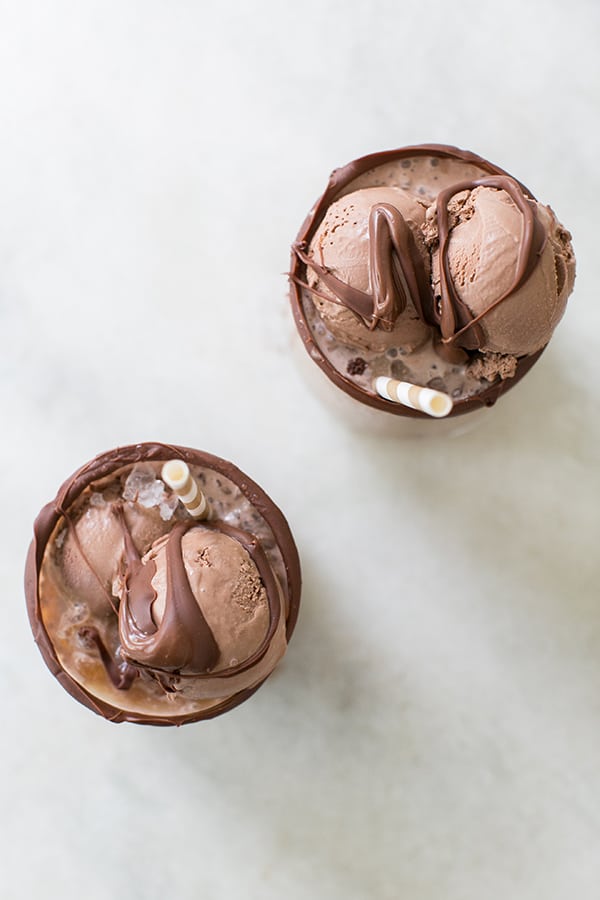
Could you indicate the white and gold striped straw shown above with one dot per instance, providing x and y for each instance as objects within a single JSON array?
[
  {"x": 176, "y": 474},
  {"x": 434, "y": 403}
]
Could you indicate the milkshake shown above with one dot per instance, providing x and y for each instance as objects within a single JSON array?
[
  {"x": 162, "y": 585},
  {"x": 426, "y": 281}
]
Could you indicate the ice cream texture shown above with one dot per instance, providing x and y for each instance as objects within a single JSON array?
[
  {"x": 483, "y": 253},
  {"x": 343, "y": 246},
  {"x": 432, "y": 266},
  {"x": 146, "y": 614},
  {"x": 226, "y": 586}
]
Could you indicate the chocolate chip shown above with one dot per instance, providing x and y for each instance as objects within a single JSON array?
[{"x": 356, "y": 366}]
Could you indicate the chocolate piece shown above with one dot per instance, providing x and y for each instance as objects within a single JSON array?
[{"x": 159, "y": 658}]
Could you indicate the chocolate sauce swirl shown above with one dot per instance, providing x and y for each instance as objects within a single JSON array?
[
  {"x": 396, "y": 271},
  {"x": 454, "y": 319},
  {"x": 283, "y": 600},
  {"x": 183, "y": 642}
]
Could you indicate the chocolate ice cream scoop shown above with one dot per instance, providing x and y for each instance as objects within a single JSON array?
[
  {"x": 428, "y": 267},
  {"x": 143, "y": 612},
  {"x": 505, "y": 262},
  {"x": 204, "y": 582},
  {"x": 353, "y": 268}
]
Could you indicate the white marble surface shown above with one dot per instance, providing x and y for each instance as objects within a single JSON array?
[{"x": 434, "y": 733}]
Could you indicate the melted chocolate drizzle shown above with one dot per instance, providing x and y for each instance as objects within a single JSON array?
[
  {"x": 138, "y": 581},
  {"x": 397, "y": 272},
  {"x": 453, "y": 317},
  {"x": 183, "y": 641},
  {"x": 182, "y": 644}
]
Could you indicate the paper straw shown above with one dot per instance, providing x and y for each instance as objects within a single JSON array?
[
  {"x": 176, "y": 474},
  {"x": 434, "y": 403}
]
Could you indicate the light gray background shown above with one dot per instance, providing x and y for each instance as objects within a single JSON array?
[{"x": 434, "y": 733}]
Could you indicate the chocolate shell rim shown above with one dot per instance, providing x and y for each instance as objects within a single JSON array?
[
  {"x": 338, "y": 181},
  {"x": 101, "y": 466}
]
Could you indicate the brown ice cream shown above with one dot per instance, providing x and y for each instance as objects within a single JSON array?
[
  {"x": 145, "y": 614},
  {"x": 429, "y": 265},
  {"x": 342, "y": 245},
  {"x": 226, "y": 586},
  {"x": 483, "y": 251}
]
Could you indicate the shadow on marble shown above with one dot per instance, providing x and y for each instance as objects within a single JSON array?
[{"x": 542, "y": 441}]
